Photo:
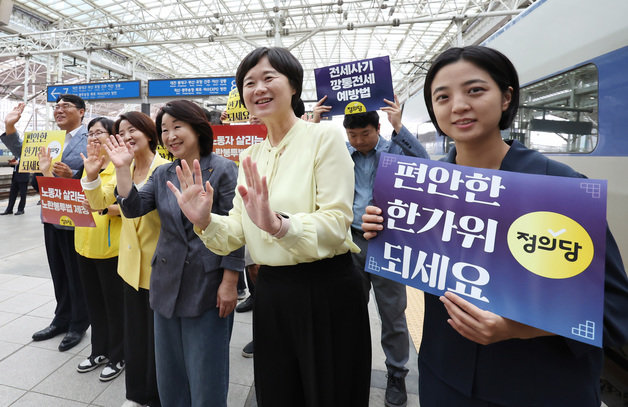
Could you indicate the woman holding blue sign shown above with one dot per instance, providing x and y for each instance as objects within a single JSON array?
[
  {"x": 472, "y": 357},
  {"x": 293, "y": 211}
]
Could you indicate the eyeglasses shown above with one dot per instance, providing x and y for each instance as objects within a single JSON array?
[
  {"x": 63, "y": 106},
  {"x": 96, "y": 133}
]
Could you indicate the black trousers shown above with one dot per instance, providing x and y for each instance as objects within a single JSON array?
[
  {"x": 71, "y": 310},
  {"x": 249, "y": 281},
  {"x": 139, "y": 347},
  {"x": 433, "y": 392},
  {"x": 312, "y": 336},
  {"x": 105, "y": 305},
  {"x": 17, "y": 187}
]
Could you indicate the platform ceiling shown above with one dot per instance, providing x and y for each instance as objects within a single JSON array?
[{"x": 78, "y": 41}]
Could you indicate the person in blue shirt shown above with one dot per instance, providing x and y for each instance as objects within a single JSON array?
[{"x": 365, "y": 146}]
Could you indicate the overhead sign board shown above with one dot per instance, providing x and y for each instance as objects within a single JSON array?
[
  {"x": 191, "y": 87},
  {"x": 97, "y": 91}
]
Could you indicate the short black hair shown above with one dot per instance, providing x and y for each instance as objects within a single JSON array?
[
  {"x": 496, "y": 64},
  {"x": 143, "y": 123},
  {"x": 213, "y": 117},
  {"x": 361, "y": 120},
  {"x": 106, "y": 122},
  {"x": 74, "y": 99},
  {"x": 192, "y": 114},
  {"x": 283, "y": 61}
]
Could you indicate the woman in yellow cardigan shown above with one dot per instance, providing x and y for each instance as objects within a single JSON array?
[
  {"x": 138, "y": 240},
  {"x": 97, "y": 257}
]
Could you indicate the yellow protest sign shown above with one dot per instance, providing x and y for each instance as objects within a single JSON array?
[
  {"x": 236, "y": 111},
  {"x": 33, "y": 140},
  {"x": 162, "y": 151}
]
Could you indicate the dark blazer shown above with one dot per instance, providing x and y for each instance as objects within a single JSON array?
[
  {"x": 185, "y": 274},
  {"x": 544, "y": 371}
]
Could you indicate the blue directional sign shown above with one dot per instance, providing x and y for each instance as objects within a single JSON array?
[
  {"x": 97, "y": 91},
  {"x": 191, "y": 87}
]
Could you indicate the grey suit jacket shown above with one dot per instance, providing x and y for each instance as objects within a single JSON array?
[{"x": 185, "y": 274}]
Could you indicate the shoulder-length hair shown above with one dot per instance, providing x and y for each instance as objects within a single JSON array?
[
  {"x": 192, "y": 114},
  {"x": 143, "y": 123}
]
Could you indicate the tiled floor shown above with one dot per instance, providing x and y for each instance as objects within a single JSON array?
[{"x": 37, "y": 374}]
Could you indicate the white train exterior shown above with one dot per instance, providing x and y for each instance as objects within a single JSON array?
[{"x": 572, "y": 59}]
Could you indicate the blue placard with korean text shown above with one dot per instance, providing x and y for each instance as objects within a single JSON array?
[
  {"x": 527, "y": 247},
  {"x": 355, "y": 87},
  {"x": 191, "y": 87},
  {"x": 97, "y": 91}
]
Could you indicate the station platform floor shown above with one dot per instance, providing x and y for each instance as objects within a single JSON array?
[{"x": 37, "y": 374}]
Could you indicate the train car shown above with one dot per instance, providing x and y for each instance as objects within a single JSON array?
[{"x": 572, "y": 60}]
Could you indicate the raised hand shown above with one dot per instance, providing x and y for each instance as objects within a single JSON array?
[
  {"x": 194, "y": 200},
  {"x": 94, "y": 161},
  {"x": 13, "y": 117},
  {"x": 120, "y": 153},
  {"x": 255, "y": 198},
  {"x": 318, "y": 110},
  {"x": 394, "y": 113},
  {"x": 45, "y": 161}
]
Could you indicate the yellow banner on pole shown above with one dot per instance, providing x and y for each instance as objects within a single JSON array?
[
  {"x": 33, "y": 140},
  {"x": 236, "y": 111}
]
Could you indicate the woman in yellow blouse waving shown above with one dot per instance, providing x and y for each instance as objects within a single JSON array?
[{"x": 293, "y": 211}]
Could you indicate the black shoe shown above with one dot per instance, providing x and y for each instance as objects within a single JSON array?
[
  {"x": 19, "y": 213},
  {"x": 396, "y": 395},
  {"x": 70, "y": 340},
  {"x": 247, "y": 351},
  {"x": 49, "y": 332},
  {"x": 245, "y": 305},
  {"x": 6, "y": 212},
  {"x": 241, "y": 294}
]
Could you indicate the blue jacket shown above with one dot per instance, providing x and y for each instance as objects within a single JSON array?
[{"x": 544, "y": 371}]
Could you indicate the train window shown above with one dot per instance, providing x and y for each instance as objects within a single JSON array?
[{"x": 559, "y": 114}]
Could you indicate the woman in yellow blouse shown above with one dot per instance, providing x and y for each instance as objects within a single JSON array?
[
  {"x": 138, "y": 240},
  {"x": 310, "y": 326}
]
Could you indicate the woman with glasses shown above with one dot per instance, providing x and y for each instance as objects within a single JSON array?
[
  {"x": 293, "y": 211},
  {"x": 97, "y": 254},
  {"x": 138, "y": 240}
]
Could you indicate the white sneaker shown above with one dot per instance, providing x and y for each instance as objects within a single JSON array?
[
  {"x": 111, "y": 371},
  {"x": 91, "y": 363},
  {"x": 131, "y": 403}
]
